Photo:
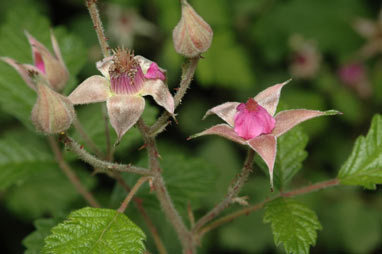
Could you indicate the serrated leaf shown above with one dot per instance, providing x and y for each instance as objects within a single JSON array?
[
  {"x": 364, "y": 166},
  {"x": 19, "y": 160},
  {"x": 45, "y": 191},
  {"x": 290, "y": 155},
  {"x": 95, "y": 230},
  {"x": 17, "y": 98},
  {"x": 34, "y": 242},
  {"x": 293, "y": 224}
]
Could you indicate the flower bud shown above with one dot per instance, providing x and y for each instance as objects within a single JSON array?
[
  {"x": 52, "y": 113},
  {"x": 51, "y": 67},
  {"x": 192, "y": 35}
]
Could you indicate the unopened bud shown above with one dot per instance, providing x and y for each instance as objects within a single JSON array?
[
  {"x": 192, "y": 35},
  {"x": 52, "y": 113}
]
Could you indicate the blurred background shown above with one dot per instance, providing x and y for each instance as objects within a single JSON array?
[{"x": 332, "y": 50}]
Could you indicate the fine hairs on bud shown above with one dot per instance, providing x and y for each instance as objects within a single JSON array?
[
  {"x": 192, "y": 35},
  {"x": 53, "y": 112}
]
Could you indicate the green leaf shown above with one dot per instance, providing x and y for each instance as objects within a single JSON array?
[
  {"x": 21, "y": 157},
  {"x": 293, "y": 224},
  {"x": 17, "y": 98},
  {"x": 45, "y": 191},
  {"x": 188, "y": 179},
  {"x": 95, "y": 230},
  {"x": 217, "y": 68},
  {"x": 364, "y": 166},
  {"x": 34, "y": 242},
  {"x": 290, "y": 155}
]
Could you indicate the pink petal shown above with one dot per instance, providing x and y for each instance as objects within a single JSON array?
[
  {"x": 222, "y": 130},
  {"x": 154, "y": 72},
  {"x": 124, "y": 111},
  {"x": 104, "y": 65},
  {"x": 225, "y": 111},
  {"x": 159, "y": 91},
  {"x": 286, "y": 120},
  {"x": 266, "y": 147},
  {"x": 269, "y": 98},
  {"x": 23, "y": 70},
  {"x": 93, "y": 89},
  {"x": 146, "y": 64},
  {"x": 252, "y": 120},
  {"x": 56, "y": 47}
]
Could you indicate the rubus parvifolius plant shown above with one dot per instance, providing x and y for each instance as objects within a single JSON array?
[{"x": 167, "y": 187}]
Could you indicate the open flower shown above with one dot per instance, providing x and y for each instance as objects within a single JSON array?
[
  {"x": 50, "y": 67},
  {"x": 255, "y": 124},
  {"x": 126, "y": 78}
]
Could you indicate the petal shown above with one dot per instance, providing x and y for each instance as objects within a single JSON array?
[
  {"x": 365, "y": 27},
  {"x": 56, "y": 47},
  {"x": 286, "y": 120},
  {"x": 93, "y": 89},
  {"x": 222, "y": 130},
  {"x": 269, "y": 98},
  {"x": 266, "y": 147},
  {"x": 38, "y": 47},
  {"x": 146, "y": 63},
  {"x": 23, "y": 70},
  {"x": 104, "y": 65},
  {"x": 159, "y": 91},
  {"x": 225, "y": 111},
  {"x": 124, "y": 111},
  {"x": 155, "y": 73}
]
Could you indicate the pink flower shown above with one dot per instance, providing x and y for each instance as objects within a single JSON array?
[
  {"x": 50, "y": 67},
  {"x": 256, "y": 125},
  {"x": 126, "y": 78}
]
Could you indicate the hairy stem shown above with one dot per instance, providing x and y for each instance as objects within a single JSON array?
[
  {"x": 188, "y": 72},
  {"x": 248, "y": 210},
  {"x": 138, "y": 203},
  {"x": 162, "y": 194},
  {"x": 97, "y": 163},
  {"x": 97, "y": 23},
  {"x": 70, "y": 174},
  {"x": 233, "y": 191},
  {"x": 132, "y": 192}
]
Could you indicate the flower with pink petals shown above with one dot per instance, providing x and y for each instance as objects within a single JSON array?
[
  {"x": 126, "y": 78},
  {"x": 50, "y": 67},
  {"x": 255, "y": 124}
]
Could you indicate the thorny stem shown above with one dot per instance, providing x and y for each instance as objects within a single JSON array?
[
  {"x": 233, "y": 191},
  {"x": 70, "y": 174},
  {"x": 86, "y": 138},
  {"x": 162, "y": 194},
  {"x": 97, "y": 163},
  {"x": 132, "y": 192},
  {"x": 94, "y": 14},
  {"x": 248, "y": 210},
  {"x": 188, "y": 72}
]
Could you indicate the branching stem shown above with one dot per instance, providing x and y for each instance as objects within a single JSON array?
[
  {"x": 248, "y": 210},
  {"x": 97, "y": 163},
  {"x": 132, "y": 192}
]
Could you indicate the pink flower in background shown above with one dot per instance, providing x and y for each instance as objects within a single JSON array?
[
  {"x": 126, "y": 78},
  {"x": 255, "y": 124},
  {"x": 354, "y": 75}
]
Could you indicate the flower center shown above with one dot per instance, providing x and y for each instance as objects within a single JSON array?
[{"x": 126, "y": 76}]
